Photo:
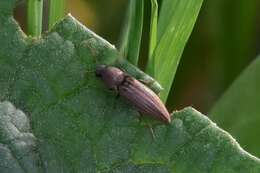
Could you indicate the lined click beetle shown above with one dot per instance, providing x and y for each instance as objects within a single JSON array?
[{"x": 135, "y": 92}]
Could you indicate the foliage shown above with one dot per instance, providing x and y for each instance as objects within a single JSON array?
[
  {"x": 72, "y": 123},
  {"x": 174, "y": 29},
  {"x": 238, "y": 109}
]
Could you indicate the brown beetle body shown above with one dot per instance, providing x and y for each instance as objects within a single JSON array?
[{"x": 137, "y": 94}]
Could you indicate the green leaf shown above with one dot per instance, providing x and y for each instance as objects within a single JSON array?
[
  {"x": 153, "y": 36},
  {"x": 176, "y": 21},
  {"x": 57, "y": 11},
  {"x": 80, "y": 126},
  {"x": 138, "y": 74},
  {"x": 132, "y": 33},
  {"x": 34, "y": 17},
  {"x": 153, "y": 27},
  {"x": 238, "y": 109},
  {"x": 127, "y": 147},
  {"x": 18, "y": 149}
]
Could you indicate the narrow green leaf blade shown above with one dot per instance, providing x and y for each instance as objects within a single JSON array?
[
  {"x": 238, "y": 109},
  {"x": 153, "y": 37},
  {"x": 34, "y": 17},
  {"x": 140, "y": 75},
  {"x": 153, "y": 27},
  {"x": 176, "y": 21},
  {"x": 132, "y": 34},
  {"x": 57, "y": 11}
]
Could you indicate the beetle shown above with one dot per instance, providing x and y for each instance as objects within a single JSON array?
[{"x": 135, "y": 92}]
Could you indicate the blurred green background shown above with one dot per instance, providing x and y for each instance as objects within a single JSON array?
[{"x": 224, "y": 41}]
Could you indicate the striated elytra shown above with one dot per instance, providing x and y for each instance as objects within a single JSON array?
[{"x": 135, "y": 92}]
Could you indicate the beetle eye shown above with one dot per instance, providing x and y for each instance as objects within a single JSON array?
[
  {"x": 99, "y": 70},
  {"x": 98, "y": 74}
]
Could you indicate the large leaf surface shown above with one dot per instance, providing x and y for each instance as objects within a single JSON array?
[
  {"x": 79, "y": 126},
  {"x": 127, "y": 147},
  {"x": 18, "y": 150},
  {"x": 238, "y": 110}
]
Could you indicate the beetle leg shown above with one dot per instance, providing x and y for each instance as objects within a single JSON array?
[
  {"x": 149, "y": 126},
  {"x": 152, "y": 132},
  {"x": 117, "y": 92},
  {"x": 140, "y": 116}
]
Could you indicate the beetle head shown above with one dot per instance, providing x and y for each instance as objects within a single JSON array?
[
  {"x": 100, "y": 69},
  {"x": 112, "y": 76}
]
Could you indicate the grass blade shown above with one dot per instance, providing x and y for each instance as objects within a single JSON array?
[
  {"x": 176, "y": 21},
  {"x": 130, "y": 44},
  {"x": 153, "y": 36},
  {"x": 34, "y": 17},
  {"x": 57, "y": 11}
]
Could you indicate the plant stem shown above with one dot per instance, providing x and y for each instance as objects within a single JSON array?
[
  {"x": 34, "y": 17},
  {"x": 57, "y": 11}
]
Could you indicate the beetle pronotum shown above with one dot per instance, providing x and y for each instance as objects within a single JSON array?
[{"x": 137, "y": 94}]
